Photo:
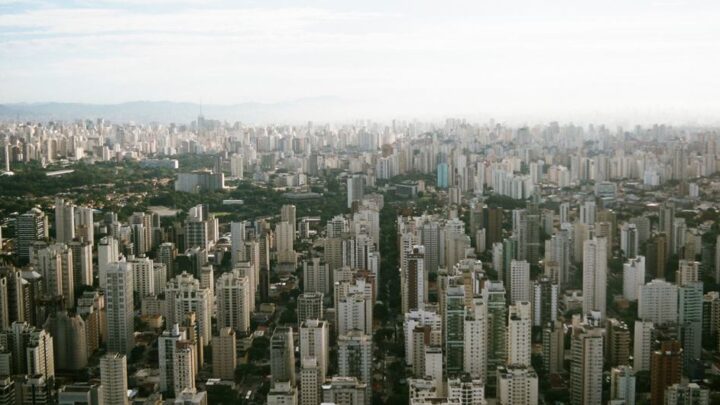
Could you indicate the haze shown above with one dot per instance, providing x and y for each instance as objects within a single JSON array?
[{"x": 560, "y": 60}]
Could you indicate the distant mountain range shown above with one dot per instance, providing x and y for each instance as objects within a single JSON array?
[{"x": 296, "y": 111}]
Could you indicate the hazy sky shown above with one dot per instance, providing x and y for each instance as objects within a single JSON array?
[{"x": 412, "y": 57}]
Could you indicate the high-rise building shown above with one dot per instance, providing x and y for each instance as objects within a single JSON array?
[
  {"x": 64, "y": 221},
  {"x": 687, "y": 394},
  {"x": 494, "y": 296},
  {"x": 355, "y": 358},
  {"x": 184, "y": 366},
  {"x": 85, "y": 225},
  {"x": 55, "y": 265},
  {"x": 476, "y": 339},
  {"x": 595, "y": 275},
  {"x": 31, "y": 226},
  {"x": 554, "y": 347},
  {"x": 113, "y": 377},
  {"x": 494, "y": 221},
  {"x": 315, "y": 343},
  {"x": 282, "y": 393},
  {"x": 183, "y": 295},
  {"x": 143, "y": 275},
  {"x": 545, "y": 301},
  {"x": 166, "y": 356},
  {"x": 665, "y": 370},
  {"x": 617, "y": 343},
  {"x": 622, "y": 385},
  {"x": 119, "y": 309},
  {"x": 558, "y": 250},
  {"x": 658, "y": 302},
  {"x": 519, "y": 333},
  {"x": 344, "y": 390},
  {"x": 310, "y": 381},
  {"x": 355, "y": 189},
  {"x": 629, "y": 240},
  {"x": 354, "y": 311},
  {"x": 633, "y": 277},
  {"x": 642, "y": 345},
  {"x": 588, "y": 212},
  {"x": 284, "y": 242},
  {"x": 517, "y": 384},
  {"x": 108, "y": 252},
  {"x": 690, "y": 319},
  {"x": 236, "y": 166},
  {"x": 69, "y": 341},
  {"x": 414, "y": 280},
  {"x": 79, "y": 393},
  {"x": 282, "y": 355},
  {"x": 519, "y": 281},
  {"x": 232, "y": 293},
  {"x": 166, "y": 254},
  {"x": 586, "y": 365},
  {"x": 466, "y": 390},
  {"x": 316, "y": 276},
  {"x": 430, "y": 240},
  {"x": 224, "y": 354},
  {"x": 656, "y": 255},
  {"x": 309, "y": 306},
  {"x": 454, "y": 316},
  {"x": 82, "y": 262}
]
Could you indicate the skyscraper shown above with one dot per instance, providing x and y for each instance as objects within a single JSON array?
[
  {"x": 519, "y": 281},
  {"x": 314, "y": 342},
  {"x": 166, "y": 356},
  {"x": 224, "y": 354},
  {"x": 642, "y": 345},
  {"x": 494, "y": 296},
  {"x": 622, "y": 384},
  {"x": 545, "y": 301},
  {"x": 316, "y": 276},
  {"x": 282, "y": 355},
  {"x": 519, "y": 333},
  {"x": 119, "y": 309},
  {"x": 309, "y": 306},
  {"x": 665, "y": 370},
  {"x": 64, "y": 221},
  {"x": 454, "y": 315},
  {"x": 586, "y": 365},
  {"x": 31, "y": 226},
  {"x": 183, "y": 294},
  {"x": 658, "y": 302},
  {"x": 517, "y": 384},
  {"x": 355, "y": 357},
  {"x": 232, "y": 293},
  {"x": 594, "y": 275},
  {"x": 629, "y": 241},
  {"x": 633, "y": 277},
  {"x": 355, "y": 189},
  {"x": 184, "y": 366},
  {"x": 113, "y": 376},
  {"x": 414, "y": 280},
  {"x": 476, "y": 341}
]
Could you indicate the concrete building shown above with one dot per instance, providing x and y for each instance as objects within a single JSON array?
[
  {"x": 113, "y": 377},
  {"x": 224, "y": 354},
  {"x": 282, "y": 356},
  {"x": 519, "y": 334},
  {"x": 232, "y": 293},
  {"x": 595, "y": 275},
  {"x": 120, "y": 306},
  {"x": 517, "y": 385}
]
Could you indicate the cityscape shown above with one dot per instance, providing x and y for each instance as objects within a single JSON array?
[{"x": 338, "y": 249}]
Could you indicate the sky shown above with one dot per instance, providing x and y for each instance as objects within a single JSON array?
[{"x": 550, "y": 59}]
